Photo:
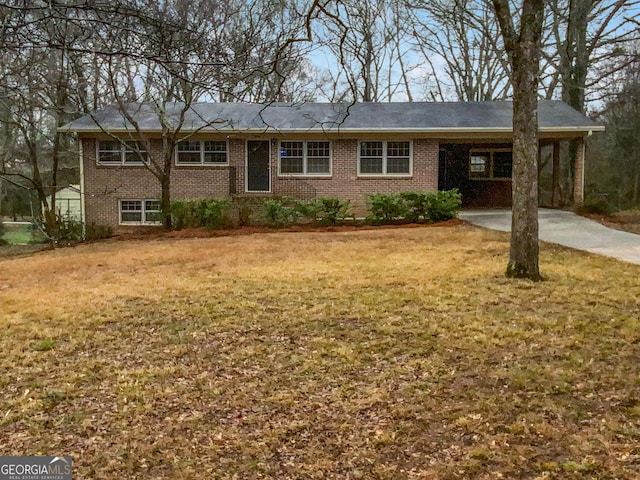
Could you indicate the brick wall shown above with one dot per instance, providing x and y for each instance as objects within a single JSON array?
[
  {"x": 106, "y": 185},
  {"x": 345, "y": 183}
]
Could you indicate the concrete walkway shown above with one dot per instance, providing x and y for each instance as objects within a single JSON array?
[{"x": 566, "y": 228}]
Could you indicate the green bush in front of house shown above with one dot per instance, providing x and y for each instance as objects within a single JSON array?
[
  {"x": 284, "y": 211},
  {"x": 444, "y": 205},
  {"x": 210, "y": 213},
  {"x": 385, "y": 208},
  {"x": 421, "y": 207},
  {"x": 331, "y": 211},
  {"x": 281, "y": 211},
  {"x": 416, "y": 205},
  {"x": 97, "y": 232}
]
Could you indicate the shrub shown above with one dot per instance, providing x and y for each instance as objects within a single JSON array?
[
  {"x": 444, "y": 205},
  {"x": 62, "y": 228},
  {"x": 245, "y": 210},
  {"x": 385, "y": 208},
  {"x": 281, "y": 211},
  {"x": 209, "y": 213},
  {"x": 332, "y": 210},
  {"x": 215, "y": 213},
  {"x": 596, "y": 204},
  {"x": 98, "y": 232},
  {"x": 416, "y": 205},
  {"x": 180, "y": 214},
  {"x": 68, "y": 229},
  {"x": 310, "y": 209}
]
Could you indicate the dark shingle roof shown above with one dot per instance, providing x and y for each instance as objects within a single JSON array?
[{"x": 359, "y": 117}]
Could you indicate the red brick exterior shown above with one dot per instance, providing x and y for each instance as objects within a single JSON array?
[
  {"x": 345, "y": 183},
  {"x": 105, "y": 185}
]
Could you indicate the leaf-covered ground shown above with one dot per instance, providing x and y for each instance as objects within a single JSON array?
[
  {"x": 626, "y": 220},
  {"x": 378, "y": 354}
]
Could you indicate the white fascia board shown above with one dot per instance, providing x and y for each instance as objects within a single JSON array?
[{"x": 270, "y": 130}]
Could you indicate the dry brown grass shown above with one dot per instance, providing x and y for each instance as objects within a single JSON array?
[{"x": 380, "y": 354}]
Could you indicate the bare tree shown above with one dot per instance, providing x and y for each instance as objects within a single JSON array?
[
  {"x": 460, "y": 43},
  {"x": 522, "y": 44},
  {"x": 365, "y": 40},
  {"x": 39, "y": 89},
  {"x": 258, "y": 63},
  {"x": 171, "y": 55},
  {"x": 586, "y": 48},
  {"x": 162, "y": 63},
  {"x": 586, "y": 45}
]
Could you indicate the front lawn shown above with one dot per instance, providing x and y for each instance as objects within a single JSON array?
[{"x": 374, "y": 354}]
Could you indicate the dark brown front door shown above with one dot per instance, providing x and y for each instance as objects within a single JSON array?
[{"x": 258, "y": 179}]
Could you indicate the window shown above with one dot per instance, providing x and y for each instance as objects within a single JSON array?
[
  {"x": 305, "y": 158},
  {"x": 502, "y": 164},
  {"x": 140, "y": 212},
  {"x": 202, "y": 152},
  {"x": 479, "y": 167},
  {"x": 384, "y": 158},
  {"x": 114, "y": 152},
  {"x": 491, "y": 164}
]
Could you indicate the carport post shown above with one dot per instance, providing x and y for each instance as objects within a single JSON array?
[
  {"x": 578, "y": 179},
  {"x": 555, "y": 177}
]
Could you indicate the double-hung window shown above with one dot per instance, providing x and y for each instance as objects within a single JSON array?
[
  {"x": 114, "y": 152},
  {"x": 305, "y": 158},
  {"x": 385, "y": 158},
  {"x": 490, "y": 164},
  {"x": 202, "y": 152},
  {"x": 140, "y": 212}
]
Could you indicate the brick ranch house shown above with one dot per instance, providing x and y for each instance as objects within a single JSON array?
[{"x": 310, "y": 150}]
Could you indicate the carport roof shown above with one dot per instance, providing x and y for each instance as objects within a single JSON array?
[{"x": 407, "y": 117}]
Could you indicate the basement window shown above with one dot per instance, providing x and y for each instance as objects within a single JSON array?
[{"x": 140, "y": 212}]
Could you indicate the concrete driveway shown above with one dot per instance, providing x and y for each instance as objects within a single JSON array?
[{"x": 566, "y": 228}]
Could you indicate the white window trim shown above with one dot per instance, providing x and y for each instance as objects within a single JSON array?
[
  {"x": 304, "y": 160},
  {"x": 490, "y": 177},
  {"x": 202, "y": 163},
  {"x": 123, "y": 155},
  {"x": 144, "y": 210},
  {"x": 384, "y": 160}
]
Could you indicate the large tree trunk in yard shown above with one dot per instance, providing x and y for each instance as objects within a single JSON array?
[
  {"x": 523, "y": 256},
  {"x": 165, "y": 202},
  {"x": 523, "y": 49}
]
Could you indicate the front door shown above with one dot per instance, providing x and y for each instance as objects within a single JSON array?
[{"x": 258, "y": 178}]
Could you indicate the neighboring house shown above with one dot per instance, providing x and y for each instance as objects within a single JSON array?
[
  {"x": 313, "y": 150},
  {"x": 68, "y": 203}
]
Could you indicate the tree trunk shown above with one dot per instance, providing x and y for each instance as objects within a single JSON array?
[
  {"x": 574, "y": 69},
  {"x": 165, "y": 201},
  {"x": 523, "y": 256},
  {"x": 523, "y": 49}
]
